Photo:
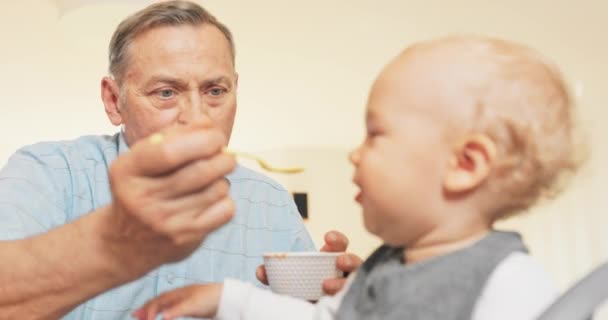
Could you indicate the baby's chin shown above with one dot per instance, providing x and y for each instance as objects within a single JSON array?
[
  {"x": 388, "y": 238},
  {"x": 393, "y": 242}
]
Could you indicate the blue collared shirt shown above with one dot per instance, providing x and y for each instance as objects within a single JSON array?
[{"x": 50, "y": 184}]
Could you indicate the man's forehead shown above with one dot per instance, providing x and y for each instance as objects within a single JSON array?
[
  {"x": 178, "y": 42},
  {"x": 186, "y": 48}
]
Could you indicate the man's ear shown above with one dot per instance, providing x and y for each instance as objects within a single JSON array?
[
  {"x": 110, "y": 95},
  {"x": 470, "y": 164}
]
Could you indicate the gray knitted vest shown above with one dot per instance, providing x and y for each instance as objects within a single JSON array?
[{"x": 442, "y": 288}]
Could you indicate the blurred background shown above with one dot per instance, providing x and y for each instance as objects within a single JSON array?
[{"x": 305, "y": 70}]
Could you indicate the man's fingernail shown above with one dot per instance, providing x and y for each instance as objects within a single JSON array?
[
  {"x": 332, "y": 237},
  {"x": 156, "y": 138}
]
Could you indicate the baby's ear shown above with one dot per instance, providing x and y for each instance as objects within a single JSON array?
[{"x": 469, "y": 165}]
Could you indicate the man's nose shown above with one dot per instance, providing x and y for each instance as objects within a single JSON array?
[{"x": 193, "y": 109}]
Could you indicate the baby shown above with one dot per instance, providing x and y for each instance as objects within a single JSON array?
[{"x": 461, "y": 132}]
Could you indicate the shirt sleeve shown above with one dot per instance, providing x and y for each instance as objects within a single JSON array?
[
  {"x": 301, "y": 240},
  {"x": 243, "y": 301},
  {"x": 32, "y": 200},
  {"x": 518, "y": 288}
]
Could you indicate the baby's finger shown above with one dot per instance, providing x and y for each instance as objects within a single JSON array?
[
  {"x": 260, "y": 273},
  {"x": 152, "y": 311},
  {"x": 157, "y": 305},
  {"x": 178, "y": 310},
  {"x": 139, "y": 313}
]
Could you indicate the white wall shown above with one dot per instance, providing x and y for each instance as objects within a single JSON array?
[{"x": 305, "y": 69}]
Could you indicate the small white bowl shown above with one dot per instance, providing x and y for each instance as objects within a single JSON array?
[{"x": 300, "y": 274}]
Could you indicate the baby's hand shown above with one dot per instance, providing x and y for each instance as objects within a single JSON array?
[{"x": 201, "y": 301}]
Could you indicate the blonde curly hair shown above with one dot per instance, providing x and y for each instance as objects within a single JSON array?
[{"x": 521, "y": 102}]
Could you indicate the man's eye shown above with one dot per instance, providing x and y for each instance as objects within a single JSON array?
[
  {"x": 166, "y": 93},
  {"x": 216, "y": 91}
]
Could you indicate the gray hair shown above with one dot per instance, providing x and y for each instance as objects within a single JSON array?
[{"x": 168, "y": 13}]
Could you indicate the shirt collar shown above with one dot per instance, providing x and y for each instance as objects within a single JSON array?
[{"x": 122, "y": 143}]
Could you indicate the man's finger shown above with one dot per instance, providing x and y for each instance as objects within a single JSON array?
[
  {"x": 348, "y": 262},
  {"x": 215, "y": 216},
  {"x": 332, "y": 286},
  {"x": 195, "y": 176},
  {"x": 335, "y": 241},
  {"x": 164, "y": 152},
  {"x": 198, "y": 201},
  {"x": 260, "y": 273}
]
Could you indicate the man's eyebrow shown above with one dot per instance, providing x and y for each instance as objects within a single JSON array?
[
  {"x": 166, "y": 79},
  {"x": 216, "y": 81},
  {"x": 175, "y": 82}
]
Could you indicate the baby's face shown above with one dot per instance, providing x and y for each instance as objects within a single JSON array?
[{"x": 399, "y": 166}]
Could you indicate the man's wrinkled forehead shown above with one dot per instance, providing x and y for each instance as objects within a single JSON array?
[{"x": 167, "y": 44}]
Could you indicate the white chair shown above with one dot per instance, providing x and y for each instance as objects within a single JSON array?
[{"x": 581, "y": 300}]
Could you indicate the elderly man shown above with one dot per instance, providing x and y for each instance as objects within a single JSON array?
[{"x": 81, "y": 217}]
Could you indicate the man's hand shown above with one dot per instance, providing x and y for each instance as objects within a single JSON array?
[
  {"x": 201, "y": 301},
  {"x": 334, "y": 242},
  {"x": 169, "y": 193}
]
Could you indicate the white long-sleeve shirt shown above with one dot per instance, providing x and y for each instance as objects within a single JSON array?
[{"x": 517, "y": 289}]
